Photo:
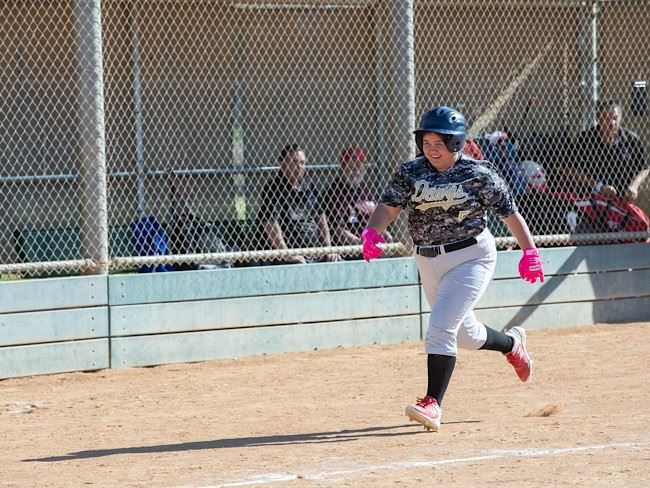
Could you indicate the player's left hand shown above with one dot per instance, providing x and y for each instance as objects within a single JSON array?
[{"x": 530, "y": 266}]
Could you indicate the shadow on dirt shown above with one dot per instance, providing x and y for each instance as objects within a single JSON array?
[{"x": 345, "y": 435}]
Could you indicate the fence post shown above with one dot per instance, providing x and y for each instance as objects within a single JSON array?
[
  {"x": 398, "y": 93},
  {"x": 91, "y": 162},
  {"x": 590, "y": 82},
  {"x": 401, "y": 62},
  {"x": 137, "y": 101}
]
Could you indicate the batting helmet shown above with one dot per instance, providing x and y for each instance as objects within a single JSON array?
[{"x": 445, "y": 121}]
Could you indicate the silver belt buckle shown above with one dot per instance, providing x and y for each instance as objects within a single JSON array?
[{"x": 430, "y": 252}]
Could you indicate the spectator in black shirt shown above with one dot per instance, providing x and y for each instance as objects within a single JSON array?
[
  {"x": 291, "y": 214},
  {"x": 608, "y": 159}
]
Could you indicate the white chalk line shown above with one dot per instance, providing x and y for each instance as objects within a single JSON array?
[{"x": 268, "y": 478}]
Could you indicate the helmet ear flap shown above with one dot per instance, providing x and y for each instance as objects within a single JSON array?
[{"x": 455, "y": 143}]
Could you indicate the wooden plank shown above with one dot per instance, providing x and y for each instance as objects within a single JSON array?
[
  {"x": 569, "y": 314},
  {"x": 568, "y": 288},
  {"x": 557, "y": 315},
  {"x": 579, "y": 259},
  {"x": 57, "y": 357},
  {"x": 53, "y": 326},
  {"x": 255, "y": 311},
  {"x": 53, "y": 293},
  {"x": 563, "y": 288},
  {"x": 218, "y": 344},
  {"x": 264, "y": 280}
]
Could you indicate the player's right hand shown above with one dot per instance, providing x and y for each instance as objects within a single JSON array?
[{"x": 370, "y": 239}]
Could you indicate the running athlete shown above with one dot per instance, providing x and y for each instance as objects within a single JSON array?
[{"x": 447, "y": 195}]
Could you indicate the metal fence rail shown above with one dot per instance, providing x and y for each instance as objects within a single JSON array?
[{"x": 149, "y": 133}]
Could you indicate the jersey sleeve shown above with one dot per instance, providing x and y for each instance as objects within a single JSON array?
[
  {"x": 638, "y": 154},
  {"x": 334, "y": 204},
  {"x": 399, "y": 190},
  {"x": 320, "y": 203},
  {"x": 495, "y": 195},
  {"x": 581, "y": 152},
  {"x": 269, "y": 207},
  {"x": 328, "y": 198}
]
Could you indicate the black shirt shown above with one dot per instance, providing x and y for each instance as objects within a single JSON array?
[
  {"x": 346, "y": 205},
  {"x": 613, "y": 164},
  {"x": 295, "y": 210}
]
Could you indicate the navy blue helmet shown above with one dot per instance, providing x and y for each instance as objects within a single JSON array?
[{"x": 445, "y": 121}]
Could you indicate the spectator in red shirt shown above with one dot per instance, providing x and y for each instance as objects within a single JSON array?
[
  {"x": 348, "y": 201},
  {"x": 473, "y": 150}
]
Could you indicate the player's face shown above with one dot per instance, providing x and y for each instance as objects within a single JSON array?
[
  {"x": 436, "y": 152},
  {"x": 293, "y": 166}
]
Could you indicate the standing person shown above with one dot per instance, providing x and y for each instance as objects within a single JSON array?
[
  {"x": 447, "y": 195},
  {"x": 291, "y": 214},
  {"x": 348, "y": 201}
]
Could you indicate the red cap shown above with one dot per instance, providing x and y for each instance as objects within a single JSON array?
[{"x": 353, "y": 153}]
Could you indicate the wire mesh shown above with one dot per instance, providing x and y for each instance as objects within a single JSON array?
[{"x": 158, "y": 144}]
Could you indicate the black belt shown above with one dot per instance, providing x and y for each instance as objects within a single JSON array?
[{"x": 433, "y": 251}]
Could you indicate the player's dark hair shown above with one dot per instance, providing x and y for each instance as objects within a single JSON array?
[
  {"x": 288, "y": 149},
  {"x": 420, "y": 137}
]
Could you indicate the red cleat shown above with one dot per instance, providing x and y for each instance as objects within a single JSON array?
[
  {"x": 427, "y": 412},
  {"x": 518, "y": 357}
]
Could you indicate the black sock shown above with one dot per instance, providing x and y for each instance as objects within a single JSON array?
[
  {"x": 498, "y": 341},
  {"x": 439, "y": 369}
]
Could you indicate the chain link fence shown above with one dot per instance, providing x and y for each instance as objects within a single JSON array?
[{"x": 165, "y": 134}]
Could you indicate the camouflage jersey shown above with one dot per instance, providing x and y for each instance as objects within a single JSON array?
[{"x": 451, "y": 205}]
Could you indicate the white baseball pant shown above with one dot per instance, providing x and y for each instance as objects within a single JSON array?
[{"x": 453, "y": 283}]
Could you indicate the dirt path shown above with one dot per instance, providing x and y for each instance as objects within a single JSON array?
[{"x": 335, "y": 418}]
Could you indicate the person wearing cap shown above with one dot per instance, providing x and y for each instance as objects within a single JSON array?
[
  {"x": 291, "y": 213},
  {"x": 348, "y": 201}
]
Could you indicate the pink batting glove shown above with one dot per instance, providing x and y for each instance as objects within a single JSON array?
[
  {"x": 370, "y": 239},
  {"x": 530, "y": 266}
]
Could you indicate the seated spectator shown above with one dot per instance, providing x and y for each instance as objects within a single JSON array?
[
  {"x": 189, "y": 233},
  {"x": 348, "y": 201},
  {"x": 499, "y": 150},
  {"x": 608, "y": 159},
  {"x": 291, "y": 215},
  {"x": 473, "y": 150}
]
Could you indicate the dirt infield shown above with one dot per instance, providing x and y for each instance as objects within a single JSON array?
[{"x": 336, "y": 418}]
